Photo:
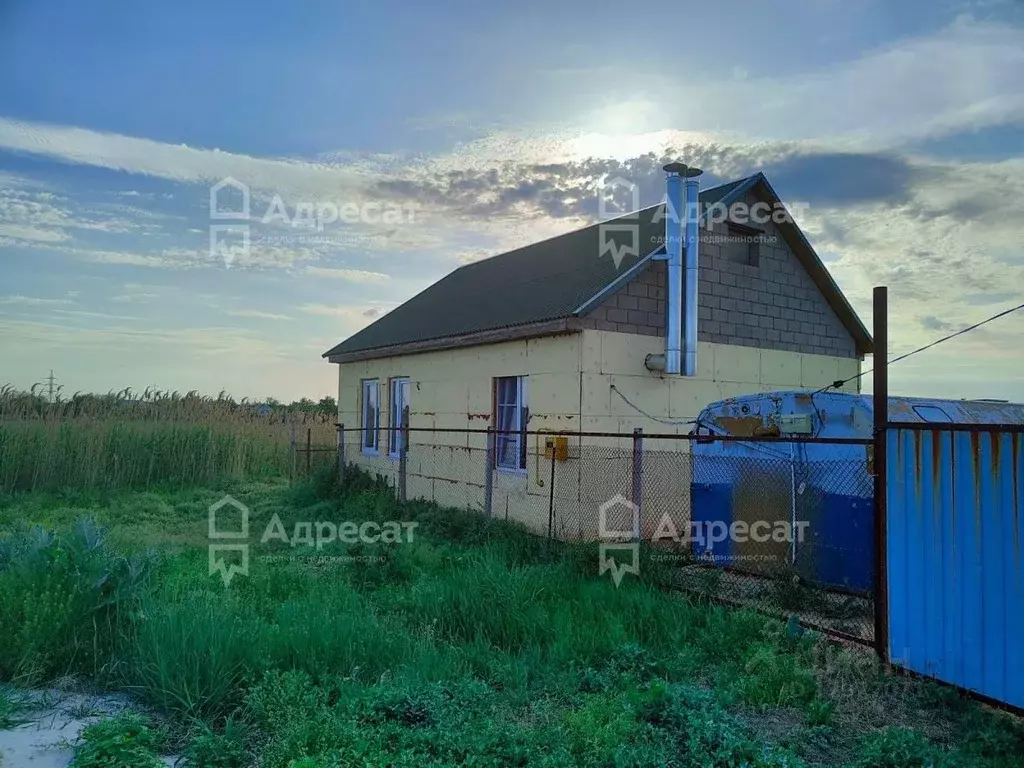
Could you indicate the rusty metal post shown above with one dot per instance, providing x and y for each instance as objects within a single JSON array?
[
  {"x": 489, "y": 472},
  {"x": 638, "y": 482},
  {"x": 880, "y": 397}
]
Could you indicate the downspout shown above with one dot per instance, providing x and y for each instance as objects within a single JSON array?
[{"x": 681, "y": 179}]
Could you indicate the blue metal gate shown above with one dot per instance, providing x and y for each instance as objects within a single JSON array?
[{"x": 955, "y": 555}]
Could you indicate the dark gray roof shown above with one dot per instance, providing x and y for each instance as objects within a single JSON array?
[
  {"x": 542, "y": 281},
  {"x": 552, "y": 279}
]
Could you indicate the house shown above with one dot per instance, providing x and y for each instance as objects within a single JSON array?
[{"x": 636, "y": 322}]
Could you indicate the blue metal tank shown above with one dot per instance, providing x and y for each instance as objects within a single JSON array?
[{"x": 825, "y": 489}]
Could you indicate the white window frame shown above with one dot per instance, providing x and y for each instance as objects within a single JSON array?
[
  {"x": 370, "y": 438},
  {"x": 511, "y": 416},
  {"x": 398, "y": 398}
]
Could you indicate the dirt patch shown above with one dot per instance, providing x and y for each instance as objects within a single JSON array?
[{"x": 53, "y": 722}]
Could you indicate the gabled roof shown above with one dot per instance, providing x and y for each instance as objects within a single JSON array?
[{"x": 535, "y": 289}]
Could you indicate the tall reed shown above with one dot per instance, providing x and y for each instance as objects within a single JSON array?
[{"x": 129, "y": 440}]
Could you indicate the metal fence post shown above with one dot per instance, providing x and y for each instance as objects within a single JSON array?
[
  {"x": 881, "y": 418},
  {"x": 638, "y": 482},
  {"x": 403, "y": 455},
  {"x": 293, "y": 451},
  {"x": 309, "y": 451},
  {"x": 551, "y": 498},
  {"x": 489, "y": 472},
  {"x": 341, "y": 451}
]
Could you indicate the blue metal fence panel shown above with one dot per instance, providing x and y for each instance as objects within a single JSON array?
[{"x": 955, "y": 557}]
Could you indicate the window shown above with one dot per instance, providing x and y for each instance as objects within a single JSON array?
[
  {"x": 745, "y": 244},
  {"x": 398, "y": 401},
  {"x": 371, "y": 415},
  {"x": 510, "y": 418}
]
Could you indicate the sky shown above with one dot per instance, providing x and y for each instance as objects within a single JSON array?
[{"x": 381, "y": 150}]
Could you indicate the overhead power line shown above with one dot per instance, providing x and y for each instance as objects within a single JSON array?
[{"x": 842, "y": 382}]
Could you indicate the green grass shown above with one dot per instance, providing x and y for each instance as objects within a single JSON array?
[
  {"x": 472, "y": 645},
  {"x": 123, "y": 741}
]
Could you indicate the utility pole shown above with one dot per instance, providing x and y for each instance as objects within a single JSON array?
[{"x": 51, "y": 380}]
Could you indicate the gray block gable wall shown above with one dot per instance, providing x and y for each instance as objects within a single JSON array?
[{"x": 774, "y": 305}]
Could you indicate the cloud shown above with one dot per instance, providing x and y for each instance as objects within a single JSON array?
[
  {"x": 841, "y": 178},
  {"x": 132, "y": 298},
  {"x": 173, "y": 162},
  {"x": 953, "y": 242},
  {"x": 328, "y": 310},
  {"x": 32, "y": 213},
  {"x": 353, "y": 317},
  {"x": 933, "y": 323},
  {"x": 959, "y": 78},
  {"x": 256, "y": 314},
  {"x": 962, "y": 77},
  {"x": 100, "y": 315},
  {"x": 351, "y": 275},
  {"x": 33, "y": 301}
]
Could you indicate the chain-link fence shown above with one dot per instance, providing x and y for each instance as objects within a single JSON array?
[{"x": 784, "y": 526}]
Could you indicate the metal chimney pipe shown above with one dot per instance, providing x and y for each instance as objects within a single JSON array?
[
  {"x": 675, "y": 205},
  {"x": 682, "y": 221},
  {"x": 691, "y": 235}
]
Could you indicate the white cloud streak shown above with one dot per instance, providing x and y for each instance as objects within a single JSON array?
[{"x": 349, "y": 275}]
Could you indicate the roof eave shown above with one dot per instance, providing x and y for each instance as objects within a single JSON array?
[{"x": 552, "y": 327}]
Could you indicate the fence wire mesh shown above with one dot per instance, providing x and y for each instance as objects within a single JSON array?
[{"x": 783, "y": 527}]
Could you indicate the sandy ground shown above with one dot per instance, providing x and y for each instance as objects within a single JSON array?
[{"x": 47, "y": 739}]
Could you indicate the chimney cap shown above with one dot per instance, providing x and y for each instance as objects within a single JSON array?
[{"x": 683, "y": 170}]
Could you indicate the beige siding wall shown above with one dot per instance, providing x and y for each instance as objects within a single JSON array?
[
  {"x": 723, "y": 370},
  {"x": 570, "y": 387},
  {"x": 452, "y": 389},
  {"x": 611, "y": 359}
]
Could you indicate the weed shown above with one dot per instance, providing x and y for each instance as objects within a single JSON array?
[
  {"x": 771, "y": 678},
  {"x": 819, "y": 713},
  {"x": 67, "y": 598},
  {"x": 898, "y": 748},
  {"x": 124, "y": 740},
  {"x": 190, "y": 656},
  {"x": 219, "y": 750}
]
